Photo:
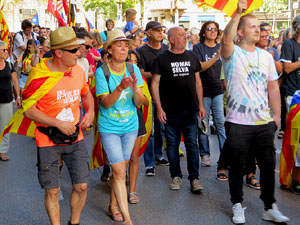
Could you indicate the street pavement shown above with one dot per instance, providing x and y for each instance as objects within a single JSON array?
[{"x": 21, "y": 198}]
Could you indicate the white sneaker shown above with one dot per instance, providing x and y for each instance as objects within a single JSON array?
[
  {"x": 205, "y": 161},
  {"x": 274, "y": 215},
  {"x": 238, "y": 214}
]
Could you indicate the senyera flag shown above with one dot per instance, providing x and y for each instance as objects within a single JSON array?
[
  {"x": 40, "y": 82},
  {"x": 52, "y": 8},
  {"x": 4, "y": 28},
  {"x": 290, "y": 142},
  {"x": 229, "y": 7}
]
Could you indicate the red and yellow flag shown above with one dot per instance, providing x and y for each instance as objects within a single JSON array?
[
  {"x": 4, "y": 28},
  {"x": 229, "y": 7},
  {"x": 71, "y": 14},
  {"x": 97, "y": 159},
  {"x": 39, "y": 83},
  {"x": 147, "y": 112},
  {"x": 290, "y": 143}
]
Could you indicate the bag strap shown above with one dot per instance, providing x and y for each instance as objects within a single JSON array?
[
  {"x": 130, "y": 68},
  {"x": 106, "y": 72}
]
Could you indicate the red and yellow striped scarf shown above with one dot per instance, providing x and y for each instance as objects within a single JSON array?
[{"x": 40, "y": 81}]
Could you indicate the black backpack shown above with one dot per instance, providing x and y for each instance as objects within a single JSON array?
[
  {"x": 106, "y": 71},
  {"x": 21, "y": 33}
]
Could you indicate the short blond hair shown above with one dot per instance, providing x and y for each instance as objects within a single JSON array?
[
  {"x": 244, "y": 19},
  {"x": 130, "y": 13}
]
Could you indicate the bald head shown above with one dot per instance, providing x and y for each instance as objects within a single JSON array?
[
  {"x": 177, "y": 38},
  {"x": 172, "y": 31}
]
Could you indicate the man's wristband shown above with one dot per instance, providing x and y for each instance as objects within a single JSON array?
[{"x": 18, "y": 97}]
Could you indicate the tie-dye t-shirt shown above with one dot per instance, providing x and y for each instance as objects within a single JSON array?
[{"x": 247, "y": 75}]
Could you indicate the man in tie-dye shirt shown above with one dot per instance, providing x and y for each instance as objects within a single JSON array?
[{"x": 251, "y": 81}]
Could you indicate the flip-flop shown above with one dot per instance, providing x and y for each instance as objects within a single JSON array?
[
  {"x": 222, "y": 176},
  {"x": 4, "y": 159}
]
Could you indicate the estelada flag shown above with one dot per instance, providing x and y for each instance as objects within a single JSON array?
[
  {"x": 89, "y": 25},
  {"x": 290, "y": 143},
  {"x": 229, "y": 7},
  {"x": 34, "y": 19},
  {"x": 40, "y": 82},
  {"x": 97, "y": 151},
  {"x": 4, "y": 28}
]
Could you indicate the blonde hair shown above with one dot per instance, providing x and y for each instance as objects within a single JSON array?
[{"x": 130, "y": 13}]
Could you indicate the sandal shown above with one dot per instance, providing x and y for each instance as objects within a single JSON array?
[
  {"x": 117, "y": 217},
  {"x": 4, "y": 158},
  {"x": 253, "y": 183},
  {"x": 222, "y": 176},
  {"x": 133, "y": 198},
  {"x": 280, "y": 134}
]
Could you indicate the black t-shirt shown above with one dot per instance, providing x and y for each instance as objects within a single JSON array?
[
  {"x": 48, "y": 54},
  {"x": 290, "y": 52},
  {"x": 6, "y": 93},
  {"x": 148, "y": 55},
  {"x": 211, "y": 82},
  {"x": 177, "y": 87}
]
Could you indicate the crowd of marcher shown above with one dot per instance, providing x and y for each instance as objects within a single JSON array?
[{"x": 179, "y": 74}]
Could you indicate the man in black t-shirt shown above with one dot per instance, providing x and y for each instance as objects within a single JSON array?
[
  {"x": 148, "y": 53},
  {"x": 290, "y": 56},
  {"x": 177, "y": 93}
]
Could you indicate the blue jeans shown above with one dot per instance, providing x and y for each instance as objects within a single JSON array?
[
  {"x": 216, "y": 105},
  {"x": 118, "y": 147},
  {"x": 177, "y": 124},
  {"x": 154, "y": 148}
]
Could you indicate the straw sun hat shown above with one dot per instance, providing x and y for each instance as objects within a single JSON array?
[
  {"x": 116, "y": 35},
  {"x": 64, "y": 37}
]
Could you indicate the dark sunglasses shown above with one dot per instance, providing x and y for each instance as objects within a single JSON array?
[
  {"x": 87, "y": 47},
  {"x": 211, "y": 29},
  {"x": 73, "y": 51},
  {"x": 4, "y": 50}
]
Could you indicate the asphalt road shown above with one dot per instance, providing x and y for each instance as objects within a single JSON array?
[{"x": 21, "y": 198}]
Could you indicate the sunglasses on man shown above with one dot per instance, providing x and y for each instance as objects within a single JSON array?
[
  {"x": 73, "y": 51},
  {"x": 87, "y": 47}
]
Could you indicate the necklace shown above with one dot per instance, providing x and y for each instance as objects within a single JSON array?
[{"x": 117, "y": 70}]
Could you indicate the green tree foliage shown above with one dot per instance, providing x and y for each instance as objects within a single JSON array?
[
  {"x": 273, "y": 6},
  {"x": 108, "y": 8}
]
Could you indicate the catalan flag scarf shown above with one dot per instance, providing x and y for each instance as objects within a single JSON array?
[
  {"x": 290, "y": 142},
  {"x": 40, "y": 81}
]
